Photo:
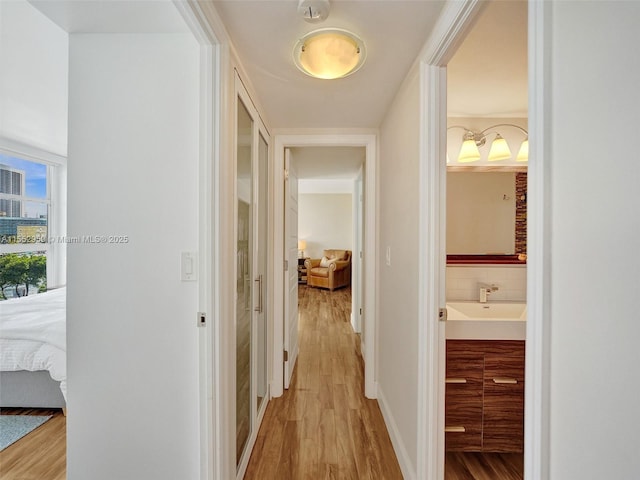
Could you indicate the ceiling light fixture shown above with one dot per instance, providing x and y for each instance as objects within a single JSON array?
[
  {"x": 329, "y": 53},
  {"x": 314, "y": 11},
  {"x": 471, "y": 141}
]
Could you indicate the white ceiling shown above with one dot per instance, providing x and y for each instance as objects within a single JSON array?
[
  {"x": 265, "y": 32},
  {"x": 113, "y": 16},
  {"x": 487, "y": 76}
]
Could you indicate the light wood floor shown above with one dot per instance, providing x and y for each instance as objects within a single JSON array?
[
  {"x": 41, "y": 454},
  {"x": 484, "y": 466},
  {"x": 323, "y": 427}
]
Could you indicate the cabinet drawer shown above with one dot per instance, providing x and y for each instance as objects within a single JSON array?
[
  {"x": 467, "y": 367},
  {"x": 463, "y": 423},
  {"x": 503, "y": 422},
  {"x": 503, "y": 426}
]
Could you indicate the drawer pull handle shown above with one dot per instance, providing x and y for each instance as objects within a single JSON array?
[
  {"x": 455, "y": 380},
  {"x": 454, "y": 429},
  {"x": 508, "y": 381}
]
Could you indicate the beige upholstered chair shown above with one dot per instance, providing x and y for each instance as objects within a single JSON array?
[{"x": 332, "y": 271}]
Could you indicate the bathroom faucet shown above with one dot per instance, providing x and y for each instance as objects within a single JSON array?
[{"x": 485, "y": 291}]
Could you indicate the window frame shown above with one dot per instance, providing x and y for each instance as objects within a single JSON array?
[{"x": 56, "y": 212}]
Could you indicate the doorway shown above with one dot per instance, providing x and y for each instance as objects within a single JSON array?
[
  {"x": 485, "y": 246},
  {"x": 456, "y": 24},
  {"x": 368, "y": 143}
]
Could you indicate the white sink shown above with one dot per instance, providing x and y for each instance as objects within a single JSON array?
[{"x": 486, "y": 321}]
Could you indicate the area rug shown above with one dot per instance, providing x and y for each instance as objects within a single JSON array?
[{"x": 14, "y": 427}]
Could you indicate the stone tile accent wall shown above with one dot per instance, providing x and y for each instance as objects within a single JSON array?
[{"x": 521, "y": 212}]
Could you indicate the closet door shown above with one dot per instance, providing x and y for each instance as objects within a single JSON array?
[
  {"x": 244, "y": 276},
  {"x": 252, "y": 243}
]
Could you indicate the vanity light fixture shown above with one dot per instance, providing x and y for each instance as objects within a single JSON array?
[
  {"x": 471, "y": 141},
  {"x": 329, "y": 53}
]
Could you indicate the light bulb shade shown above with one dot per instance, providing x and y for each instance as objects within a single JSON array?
[
  {"x": 499, "y": 149},
  {"x": 302, "y": 244},
  {"x": 329, "y": 53},
  {"x": 469, "y": 152},
  {"x": 523, "y": 153}
]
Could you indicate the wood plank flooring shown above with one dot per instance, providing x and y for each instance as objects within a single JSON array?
[
  {"x": 41, "y": 454},
  {"x": 484, "y": 466},
  {"x": 323, "y": 427}
]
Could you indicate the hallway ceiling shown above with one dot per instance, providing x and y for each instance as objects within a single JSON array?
[
  {"x": 487, "y": 76},
  {"x": 265, "y": 32}
]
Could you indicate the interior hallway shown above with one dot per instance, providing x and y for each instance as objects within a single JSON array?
[{"x": 323, "y": 426}]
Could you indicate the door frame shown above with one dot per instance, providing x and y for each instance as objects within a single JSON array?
[
  {"x": 369, "y": 142},
  {"x": 454, "y": 23},
  {"x": 211, "y": 429}
]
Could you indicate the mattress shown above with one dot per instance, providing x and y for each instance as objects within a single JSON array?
[{"x": 33, "y": 335}]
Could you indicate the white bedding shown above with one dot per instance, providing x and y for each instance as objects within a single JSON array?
[{"x": 33, "y": 335}]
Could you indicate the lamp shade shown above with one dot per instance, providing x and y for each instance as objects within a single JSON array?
[
  {"x": 329, "y": 53},
  {"x": 469, "y": 152},
  {"x": 523, "y": 153},
  {"x": 499, "y": 149},
  {"x": 302, "y": 244}
]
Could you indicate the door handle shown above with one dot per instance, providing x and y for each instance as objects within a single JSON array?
[
  {"x": 455, "y": 380},
  {"x": 455, "y": 429},
  {"x": 507, "y": 381},
  {"x": 259, "y": 307}
]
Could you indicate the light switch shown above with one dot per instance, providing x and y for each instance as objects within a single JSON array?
[
  {"x": 188, "y": 267},
  {"x": 388, "y": 256}
]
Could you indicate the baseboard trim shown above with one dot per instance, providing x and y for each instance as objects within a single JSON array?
[{"x": 408, "y": 469}]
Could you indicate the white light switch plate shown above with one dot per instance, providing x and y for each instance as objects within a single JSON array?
[{"x": 188, "y": 267}]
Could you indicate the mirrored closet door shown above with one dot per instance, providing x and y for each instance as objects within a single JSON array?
[{"x": 252, "y": 169}]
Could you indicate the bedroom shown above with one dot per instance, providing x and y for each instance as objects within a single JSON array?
[
  {"x": 33, "y": 149},
  {"x": 53, "y": 81}
]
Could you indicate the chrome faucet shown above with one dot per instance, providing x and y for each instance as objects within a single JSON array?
[{"x": 485, "y": 291}]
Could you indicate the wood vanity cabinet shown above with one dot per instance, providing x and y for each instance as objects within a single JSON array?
[{"x": 484, "y": 399}]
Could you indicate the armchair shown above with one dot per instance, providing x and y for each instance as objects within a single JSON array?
[{"x": 331, "y": 271}]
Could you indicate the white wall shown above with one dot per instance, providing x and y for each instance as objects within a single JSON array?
[
  {"x": 133, "y": 170},
  {"x": 325, "y": 221},
  {"x": 595, "y": 328},
  {"x": 34, "y": 62},
  {"x": 398, "y": 294}
]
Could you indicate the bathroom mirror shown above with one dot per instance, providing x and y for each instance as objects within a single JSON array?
[{"x": 486, "y": 214}]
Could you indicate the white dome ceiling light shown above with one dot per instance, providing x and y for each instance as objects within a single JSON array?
[
  {"x": 329, "y": 53},
  {"x": 314, "y": 11}
]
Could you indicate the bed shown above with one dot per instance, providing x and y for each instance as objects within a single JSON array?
[{"x": 33, "y": 363}]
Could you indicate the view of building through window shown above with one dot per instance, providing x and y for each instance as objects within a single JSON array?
[{"x": 24, "y": 219}]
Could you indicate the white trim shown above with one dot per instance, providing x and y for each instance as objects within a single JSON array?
[
  {"x": 537, "y": 373},
  {"x": 369, "y": 141},
  {"x": 29, "y": 152},
  {"x": 400, "y": 449},
  {"x": 208, "y": 239},
  {"x": 57, "y": 207},
  {"x": 450, "y": 30},
  {"x": 432, "y": 261}
]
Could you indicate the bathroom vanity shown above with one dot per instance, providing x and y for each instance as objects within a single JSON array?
[{"x": 484, "y": 405}]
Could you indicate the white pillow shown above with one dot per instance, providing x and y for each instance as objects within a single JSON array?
[{"x": 325, "y": 262}]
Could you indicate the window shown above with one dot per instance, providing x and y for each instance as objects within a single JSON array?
[{"x": 25, "y": 221}]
